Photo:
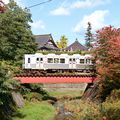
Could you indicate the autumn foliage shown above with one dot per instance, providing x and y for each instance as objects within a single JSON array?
[
  {"x": 107, "y": 54},
  {"x": 2, "y": 7}
]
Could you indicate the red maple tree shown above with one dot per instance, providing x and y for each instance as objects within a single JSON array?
[{"x": 108, "y": 55}]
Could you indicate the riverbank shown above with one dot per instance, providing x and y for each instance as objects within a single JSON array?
[
  {"x": 70, "y": 107},
  {"x": 35, "y": 111}
]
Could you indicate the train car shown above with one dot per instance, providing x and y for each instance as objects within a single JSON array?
[{"x": 53, "y": 62}]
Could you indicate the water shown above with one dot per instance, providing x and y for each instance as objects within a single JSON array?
[{"x": 62, "y": 114}]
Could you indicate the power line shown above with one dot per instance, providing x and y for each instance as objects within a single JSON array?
[{"x": 39, "y": 3}]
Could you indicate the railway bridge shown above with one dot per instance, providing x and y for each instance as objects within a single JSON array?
[
  {"x": 59, "y": 83},
  {"x": 56, "y": 79}
]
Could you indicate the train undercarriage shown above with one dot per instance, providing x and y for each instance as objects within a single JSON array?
[{"x": 58, "y": 72}]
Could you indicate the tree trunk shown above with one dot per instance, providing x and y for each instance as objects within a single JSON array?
[{"x": 92, "y": 93}]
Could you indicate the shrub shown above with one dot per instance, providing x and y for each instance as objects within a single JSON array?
[
  {"x": 112, "y": 105},
  {"x": 112, "y": 110},
  {"x": 85, "y": 110},
  {"x": 33, "y": 96}
]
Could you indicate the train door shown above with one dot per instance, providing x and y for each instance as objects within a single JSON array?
[
  {"x": 72, "y": 63},
  {"x": 28, "y": 62},
  {"x": 39, "y": 63}
]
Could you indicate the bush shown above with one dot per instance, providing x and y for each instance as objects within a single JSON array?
[
  {"x": 85, "y": 110},
  {"x": 33, "y": 96},
  {"x": 112, "y": 105},
  {"x": 115, "y": 95},
  {"x": 27, "y": 88},
  {"x": 112, "y": 110}
]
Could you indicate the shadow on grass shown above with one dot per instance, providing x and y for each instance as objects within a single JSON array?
[
  {"x": 18, "y": 115},
  {"x": 77, "y": 97}
]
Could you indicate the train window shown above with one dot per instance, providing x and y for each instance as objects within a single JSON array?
[
  {"x": 41, "y": 59},
  {"x": 50, "y": 60},
  {"x": 28, "y": 60},
  {"x": 82, "y": 61},
  {"x": 93, "y": 61},
  {"x": 56, "y": 60},
  {"x": 70, "y": 59},
  {"x": 87, "y": 60},
  {"x": 62, "y": 60},
  {"x": 73, "y": 59},
  {"x": 37, "y": 59}
]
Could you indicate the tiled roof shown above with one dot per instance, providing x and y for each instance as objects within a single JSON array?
[
  {"x": 42, "y": 41},
  {"x": 76, "y": 46}
]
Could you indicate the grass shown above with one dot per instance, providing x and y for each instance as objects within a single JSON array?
[
  {"x": 61, "y": 94},
  {"x": 35, "y": 111}
]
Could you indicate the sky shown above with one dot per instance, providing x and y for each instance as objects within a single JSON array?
[{"x": 70, "y": 17}]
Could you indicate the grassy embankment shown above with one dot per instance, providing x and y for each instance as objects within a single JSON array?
[
  {"x": 42, "y": 110},
  {"x": 35, "y": 111},
  {"x": 64, "y": 94}
]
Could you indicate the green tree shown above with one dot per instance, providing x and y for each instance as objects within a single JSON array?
[
  {"x": 88, "y": 36},
  {"x": 63, "y": 42},
  {"x": 16, "y": 37},
  {"x": 7, "y": 85}
]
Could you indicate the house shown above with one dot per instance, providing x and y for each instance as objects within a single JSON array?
[
  {"x": 76, "y": 46},
  {"x": 45, "y": 42}
]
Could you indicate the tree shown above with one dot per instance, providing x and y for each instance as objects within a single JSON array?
[
  {"x": 7, "y": 86},
  {"x": 16, "y": 37},
  {"x": 107, "y": 54},
  {"x": 88, "y": 36},
  {"x": 63, "y": 42}
]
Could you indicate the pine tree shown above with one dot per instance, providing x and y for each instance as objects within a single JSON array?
[{"x": 88, "y": 36}]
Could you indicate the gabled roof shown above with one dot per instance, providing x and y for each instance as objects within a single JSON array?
[
  {"x": 76, "y": 46},
  {"x": 42, "y": 41}
]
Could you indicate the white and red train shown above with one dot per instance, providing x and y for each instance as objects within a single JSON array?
[{"x": 53, "y": 62}]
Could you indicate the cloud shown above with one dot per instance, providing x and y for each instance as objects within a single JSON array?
[
  {"x": 88, "y": 3},
  {"x": 60, "y": 11},
  {"x": 37, "y": 25},
  {"x": 19, "y": 2},
  {"x": 97, "y": 20},
  {"x": 66, "y": 7},
  {"x": 6, "y": 1},
  {"x": 81, "y": 4}
]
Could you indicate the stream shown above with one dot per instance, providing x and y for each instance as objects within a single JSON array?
[{"x": 62, "y": 114}]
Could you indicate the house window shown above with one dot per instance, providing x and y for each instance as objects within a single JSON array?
[
  {"x": 62, "y": 60},
  {"x": 50, "y": 60},
  {"x": 28, "y": 60},
  {"x": 56, "y": 60},
  {"x": 82, "y": 61}
]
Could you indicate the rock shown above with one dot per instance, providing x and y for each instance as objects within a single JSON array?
[{"x": 18, "y": 99}]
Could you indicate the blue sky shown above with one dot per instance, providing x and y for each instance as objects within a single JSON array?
[{"x": 70, "y": 17}]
